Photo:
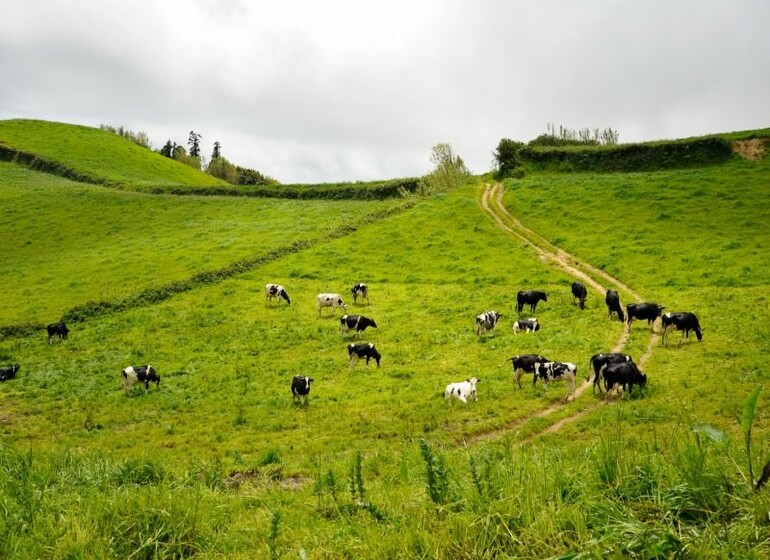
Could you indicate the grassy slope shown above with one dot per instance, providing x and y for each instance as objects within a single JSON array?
[
  {"x": 102, "y": 155},
  {"x": 66, "y": 243}
]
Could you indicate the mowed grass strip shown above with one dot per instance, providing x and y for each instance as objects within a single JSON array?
[{"x": 67, "y": 243}]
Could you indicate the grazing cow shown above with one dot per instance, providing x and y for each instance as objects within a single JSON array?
[
  {"x": 141, "y": 374},
  {"x": 463, "y": 390},
  {"x": 9, "y": 372},
  {"x": 57, "y": 329},
  {"x": 526, "y": 325},
  {"x": 684, "y": 321},
  {"x": 363, "y": 350},
  {"x": 579, "y": 293},
  {"x": 598, "y": 361},
  {"x": 641, "y": 311},
  {"x": 529, "y": 297},
  {"x": 357, "y": 322},
  {"x": 300, "y": 387},
  {"x": 487, "y": 321},
  {"x": 330, "y": 300},
  {"x": 557, "y": 371},
  {"x": 525, "y": 363},
  {"x": 275, "y": 291},
  {"x": 624, "y": 375},
  {"x": 612, "y": 299},
  {"x": 360, "y": 289}
]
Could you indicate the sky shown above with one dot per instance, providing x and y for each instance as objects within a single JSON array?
[{"x": 309, "y": 91}]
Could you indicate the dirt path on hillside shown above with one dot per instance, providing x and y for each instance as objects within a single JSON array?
[{"x": 492, "y": 204}]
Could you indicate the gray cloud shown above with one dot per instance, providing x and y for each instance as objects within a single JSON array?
[{"x": 324, "y": 91}]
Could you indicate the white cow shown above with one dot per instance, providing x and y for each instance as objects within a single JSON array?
[
  {"x": 487, "y": 321},
  {"x": 330, "y": 300},
  {"x": 275, "y": 291},
  {"x": 463, "y": 390},
  {"x": 556, "y": 371}
]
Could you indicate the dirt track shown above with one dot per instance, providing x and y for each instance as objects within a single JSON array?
[{"x": 492, "y": 203}]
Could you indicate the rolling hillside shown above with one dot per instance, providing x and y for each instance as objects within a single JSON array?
[{"x": 220, "y": 462}]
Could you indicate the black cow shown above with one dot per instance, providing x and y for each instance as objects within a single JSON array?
[
  {"x": 641, "y": 311},
  {"x": 363, "y": 350},
  {"x": 525, "y": 363},
  {"x": 529, "y": 297},
  {"x": 598, "y": 361},
  {"x": 579, "y": 293},
  {"x": 141, "y": 374},
  {"x": 300, "y": 387},
  {"x": 683, "y": 321},
  {"x": 357, "y": 322},
  {"x": 9, "y": 372},
  {"x": 625, "y": 374},
  {"x": 487, "y": 321},
  {"x": 612, "y": 299},
  {"x": 57, "y": 329},
  {"x": 526, "y": 325},
  {"x": 360, "y": 289},
  {"x": 276, "y": 291}
]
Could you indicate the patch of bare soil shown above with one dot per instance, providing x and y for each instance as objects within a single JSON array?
[
  {"x": 752, "y": 150},
  {"x": 492, "y": 203}
]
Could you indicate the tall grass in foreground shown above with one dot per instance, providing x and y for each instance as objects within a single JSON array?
[{"x": 672, "y": 497}]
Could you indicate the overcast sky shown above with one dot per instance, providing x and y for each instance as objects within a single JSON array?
[{"x": 325, "y": 90}]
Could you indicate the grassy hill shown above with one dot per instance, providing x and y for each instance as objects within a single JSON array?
[
  {"x": 97, "y": 156},
  {"x": 219, "y": 462}
]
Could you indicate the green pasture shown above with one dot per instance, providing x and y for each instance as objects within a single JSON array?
[
  {"x": 220, "y": 462},
  {"x": 103, "y": 156}
]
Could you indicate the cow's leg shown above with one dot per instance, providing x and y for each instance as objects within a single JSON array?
[
  {"x": 353, "y": 360},
  {"x": 517, "y": 374}
]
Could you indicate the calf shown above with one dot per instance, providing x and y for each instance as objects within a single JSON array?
[
  {"x": 684, "y": 321},
  {"x": 525, "y": 363},
  {"x": 529, "y": 297},
  {"x": 300, "y": 387},
  {"x": 57, "y": 329},
  {"x": 141, "y": 374},
  {"x": 9, "y": 372},
  {"x": 612, "y": 299},
  {"x": 624, "y": 375},
  {"x": 526, "y": 325},
  {"x": 598, "y": 361},
  {"x": 579, "y": 293},
  {"x": 362, "y": 290},
  {"x": 557, "y": 371},
  {"x": 330, "y": 300},
  {"x": 487, "y": 321},
  {"x": 463, "y": 390},
  {"x": 641, "y": 311},
  {"x": 357, "y": 322},
  {"x": 276, "y": 291},
  {"x": 363, "y": 350}
]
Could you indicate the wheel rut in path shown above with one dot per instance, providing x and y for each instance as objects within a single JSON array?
[{"x": 492, "y": 204}]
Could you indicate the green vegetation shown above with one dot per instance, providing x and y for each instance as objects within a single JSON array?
[{"x": 220, "y": 462}]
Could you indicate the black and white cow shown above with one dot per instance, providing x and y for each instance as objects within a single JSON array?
[
  {"x": 526, "y": 325},
  {"x": 557, "y": 371},
  {"x": 362, "y": 290},
  {"x": 612, "y": 299},
  {"x": 330, "y": 300},
  {"x": 363, "y": 350},
  {"x": 525, "y": 363},
  {"x": 57, "y": 329},
  {"x": 487, "y": 321},
  {"x": 300, "y": 387},
  {"x": 463, "y": 390},
  {"x": 683, "y": 321},
  {"x": 358, "y": 323},
  {"x": 642, "y": 311},
  {"x": 624, "y": 375},
  {"x": 140, "y": 374},
  {"x": 579, "y": 293},
  {"x": 9, "y": 372},
  {"x": 276, "y": 291},
  {"x": 598, "y": 361},
  {"x": 529, "y": 297}
]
